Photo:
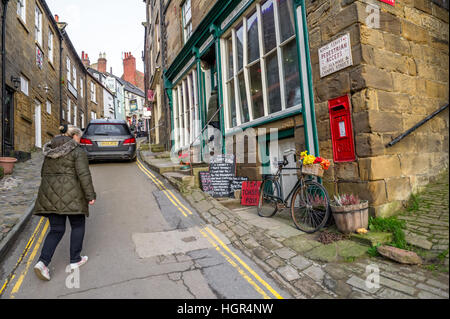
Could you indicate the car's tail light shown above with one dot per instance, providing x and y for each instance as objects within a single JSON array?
[
  {"x": 129, "y": 141},
  {"x": 85, "y": 141}
]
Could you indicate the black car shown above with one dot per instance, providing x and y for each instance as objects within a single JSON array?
[{"x": 108, "y": 140}]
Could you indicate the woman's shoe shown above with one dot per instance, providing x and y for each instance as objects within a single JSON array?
[
  {"x": 42, "y": 271},
  {"x": 83, "y": 260}
]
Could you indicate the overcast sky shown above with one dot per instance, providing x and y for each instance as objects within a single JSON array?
[{"x": 109, "y": 26}]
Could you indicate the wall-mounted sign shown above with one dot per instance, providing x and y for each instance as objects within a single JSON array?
[
  {"x": 150, "y": 95},
  {"x": 133, "y": 105},
  {"x": 335, "y": 56},
  {"x": 391, "y": 2}
]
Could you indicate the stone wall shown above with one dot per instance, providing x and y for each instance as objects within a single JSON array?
[
  {"x": 399, "y": 76},
  {"x": 21, "y": 60}
]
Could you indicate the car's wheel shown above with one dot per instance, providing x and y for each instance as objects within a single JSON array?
[{"x": 133, "y": 159}]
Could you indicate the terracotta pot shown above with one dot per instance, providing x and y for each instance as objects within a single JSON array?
[
  {"x": 349, "y": 218},
  {"x": 8, "y": 164}
]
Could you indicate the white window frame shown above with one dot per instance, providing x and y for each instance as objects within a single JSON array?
[
  {"x": 81, "y": 87},
  {"x": 75, "y": 115},
  {"x": 38, "y": 34},
  {"x": 69, "y": 119},
  {"x": 185, "y": 111},
  {"x": 50, "y": 45},
  {"x": 22, "y": 9},
  {"x": 93, "y": 92},
  {"x": 48, "y": 107},
  {"x": 82, "y": 124},
  {"x": 187, "y": 25},
  {"x": 74, "y": 76},
  {"x": 24, "y": 85},
  {"x": 68, "y": 69},
  {"x": 246, "y": 68}
]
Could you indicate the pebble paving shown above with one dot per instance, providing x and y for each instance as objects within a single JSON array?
[{"x": 18, "y": 192}]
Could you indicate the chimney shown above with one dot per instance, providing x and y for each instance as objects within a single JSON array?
[
  {"x": 85, "y": 59},
  {"x": 129, "y": 68},
  {"x": 101, "y": 63}
]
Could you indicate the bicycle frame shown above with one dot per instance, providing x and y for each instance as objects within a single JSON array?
[{"x": 277, "y": 178}]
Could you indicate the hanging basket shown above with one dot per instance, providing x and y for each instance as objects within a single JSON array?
[
  {"x": 313, "y": 169},
  {"x": 349, "y": 218}
]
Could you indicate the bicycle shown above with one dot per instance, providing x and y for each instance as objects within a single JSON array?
[{"x": 309, "y": 203}]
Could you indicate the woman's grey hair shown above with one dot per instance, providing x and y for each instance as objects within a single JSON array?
[{"x": 71, "y": 131}]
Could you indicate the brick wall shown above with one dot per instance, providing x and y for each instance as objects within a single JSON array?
[{"x": 399, "y": 76}]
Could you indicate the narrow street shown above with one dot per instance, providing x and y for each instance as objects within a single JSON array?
[{"x": 140, "y": 245}]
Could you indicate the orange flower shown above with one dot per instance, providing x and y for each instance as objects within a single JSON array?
[{"x": 325, "y": 164}]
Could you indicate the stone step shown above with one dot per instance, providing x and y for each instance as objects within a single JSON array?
[{"x": 180, "y": 177}]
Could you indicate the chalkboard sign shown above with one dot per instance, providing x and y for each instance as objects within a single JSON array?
[
  {"x": 222, "y": 169},
  {"x": 236, "y": 183},
  {"x": 205, "y": 183}
]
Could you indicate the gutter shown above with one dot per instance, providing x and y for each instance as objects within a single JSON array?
[{"x": 5, "y": 9}]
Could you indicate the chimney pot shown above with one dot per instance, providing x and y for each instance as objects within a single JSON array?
[{"x": 57, "y": 18}]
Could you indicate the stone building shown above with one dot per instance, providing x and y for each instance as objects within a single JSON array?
[
  {"x": 155, "y": 63},
  {"x": 384, "y": 65},
  {"x": 74, "y": 76},
  {"x": 32, "y": 69}
]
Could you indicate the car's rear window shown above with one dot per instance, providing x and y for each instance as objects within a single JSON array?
[{"x": 107, "y": 129}]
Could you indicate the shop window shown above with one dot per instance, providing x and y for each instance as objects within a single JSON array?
[
  {"x": 185, "y": 111},
  {"x": 261, "y": 71}
]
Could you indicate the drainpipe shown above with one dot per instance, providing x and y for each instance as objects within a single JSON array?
[
  {"x": 61, "y": 38},
  {"x": 162, "y": 28},
  {"x": 5, "y": 9}
]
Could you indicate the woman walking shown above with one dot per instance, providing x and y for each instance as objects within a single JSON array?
[{"x": 65, "y": 192}]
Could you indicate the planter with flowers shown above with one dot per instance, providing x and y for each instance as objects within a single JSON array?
[
  {"x": 350, "y": 213},
  {"x": 313, "y": 165}
]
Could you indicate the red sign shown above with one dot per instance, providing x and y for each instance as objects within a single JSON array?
[
  {"x": 150, "y": 95},
  {"x": 250, "y": 193},
  {"x": 391, "y": 2}
]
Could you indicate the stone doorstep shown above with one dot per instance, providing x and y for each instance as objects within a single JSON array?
[{"x": 372, "y": 238}]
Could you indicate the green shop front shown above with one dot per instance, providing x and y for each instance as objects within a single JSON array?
[{"x": 256, "y": 54}]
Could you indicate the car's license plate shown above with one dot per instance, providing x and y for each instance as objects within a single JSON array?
[{"x": 109, "y": 143}]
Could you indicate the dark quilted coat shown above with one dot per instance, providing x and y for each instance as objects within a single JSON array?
[{"x": 66, "y": 184}]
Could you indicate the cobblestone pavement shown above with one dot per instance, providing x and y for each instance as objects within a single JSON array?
[
  {"x": 18, "y": 191},
  {"x": 309, "y": 269},
  {"x": 428, "y": 225}
]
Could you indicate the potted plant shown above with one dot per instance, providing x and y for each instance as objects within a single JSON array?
[
  {"x": 350, "y": 213},
  {"x": 8, "y": 164}
]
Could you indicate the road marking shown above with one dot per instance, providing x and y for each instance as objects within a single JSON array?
[
  {"x": 239, "y": 269},
  {"x": 262, "y": 281},
  {"x": 29, "y": 261},
  {"x": 251, "y": 271},
  {"x": 165, "y": 192},
  {"x": 22, "y": 256},
  {"x": 164, "y": 186}
]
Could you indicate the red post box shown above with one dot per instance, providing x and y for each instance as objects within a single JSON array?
[{"x": 341, "y": 129}]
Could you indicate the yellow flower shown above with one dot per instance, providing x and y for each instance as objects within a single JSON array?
[
  {"x": 303, "y": 154},
  {"x": 309, "y": 159}
]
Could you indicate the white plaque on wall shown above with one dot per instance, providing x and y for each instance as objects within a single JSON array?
[{"x": 335, "y": 56}]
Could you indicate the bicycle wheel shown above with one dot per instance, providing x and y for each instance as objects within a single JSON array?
[
  {"x": 310, "y": 207},
  {"x": 269, "y": 192}
]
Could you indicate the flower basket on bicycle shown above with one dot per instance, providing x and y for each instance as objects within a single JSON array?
[{"x": 313, "y": 169}]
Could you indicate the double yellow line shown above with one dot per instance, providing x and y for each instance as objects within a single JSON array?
[
  {"x": 216, "y": 242},
  {"x": 24, "y": 254}
]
